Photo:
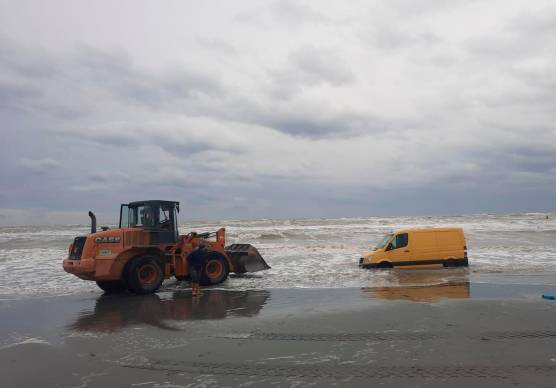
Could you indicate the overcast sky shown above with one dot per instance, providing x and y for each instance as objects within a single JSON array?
[{"x": 262, "y": 109}]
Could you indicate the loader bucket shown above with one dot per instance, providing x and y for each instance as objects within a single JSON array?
[{"x": 246, "y": 258}]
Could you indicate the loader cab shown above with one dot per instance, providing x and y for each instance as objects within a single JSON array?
[{"x": 159, "y": 218}]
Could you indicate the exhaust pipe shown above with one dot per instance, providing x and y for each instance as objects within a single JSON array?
[{"x": 93, "y": 222}]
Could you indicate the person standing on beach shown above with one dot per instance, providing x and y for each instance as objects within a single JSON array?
[{"x": 196, "y": 261}]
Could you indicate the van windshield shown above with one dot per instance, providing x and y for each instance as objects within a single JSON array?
[{"x": 384, "y": 241}]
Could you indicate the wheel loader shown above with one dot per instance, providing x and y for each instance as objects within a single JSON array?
[{"x": 146, "y": 248}]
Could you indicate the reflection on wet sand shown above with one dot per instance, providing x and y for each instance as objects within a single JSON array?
[
  {"x": 424, "y": 286},
  {"x": 115, "y": 312}
]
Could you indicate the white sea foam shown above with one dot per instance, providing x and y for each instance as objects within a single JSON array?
[
  {"x": 24, "y": 341},
  {"x": 309, "y": 253}
]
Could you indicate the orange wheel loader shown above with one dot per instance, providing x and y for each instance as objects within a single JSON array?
[{"x": 146, "y": 248}]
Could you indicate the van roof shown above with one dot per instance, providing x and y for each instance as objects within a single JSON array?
[{"x": 429, "y": 229}]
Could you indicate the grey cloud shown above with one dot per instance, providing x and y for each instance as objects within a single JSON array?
[
  {"x": 17, "y": 96},
  {"x": 394, "y": 38},
  {"x": 29, "y": 81},
  {"x": 289, "y": 11},
  {"x": 502, "y": 167},
  {"x": 293, "y": 13},
  {"x": 73, "y": 78},
  {"x": 117, "y": 73},
  {"x": 529, "y": 34},
  {"x": 322, "y": 65},
  {"x": 26, "y": 98},
  {"x": 178, "y": 138},
  {"x": 26, "y": 61},
  {"x": 332, "y": 124},
  {"x": 322, "y": 125},
  {"x": 181, "y": 90},
  {"x": 101, "y": 176},
  {"x": 40, "y": 166},
  {"x": 415, "y": 9},
  {"x": 527, "y": 159},
  {"x": 218, "y": 45},
  {"x": 510, "y": 47},
  {"x": 539, "y": 22}
]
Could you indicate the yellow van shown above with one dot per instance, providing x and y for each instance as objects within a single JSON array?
[{"x": 419, "y": 248}]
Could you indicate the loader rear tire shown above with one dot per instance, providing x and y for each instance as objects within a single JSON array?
[
  {"x": 144, "y": 275},
  {"x": 112, "y": 287},
  {"x": 216, "y": 269}
]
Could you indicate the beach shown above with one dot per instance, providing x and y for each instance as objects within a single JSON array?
[
  {"x": 452, "y": 334},
  {"x": 314, "y": 319}
]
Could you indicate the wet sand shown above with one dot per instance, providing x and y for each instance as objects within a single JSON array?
[{"x": 456, "y": 334}]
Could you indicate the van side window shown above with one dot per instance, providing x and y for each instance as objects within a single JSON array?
[{"x": 400, "y": 241}]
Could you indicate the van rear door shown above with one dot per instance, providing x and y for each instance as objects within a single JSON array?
[{"x": 450, "y": 243}]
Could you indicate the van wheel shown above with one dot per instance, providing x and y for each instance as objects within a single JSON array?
[
  {"x": 385, "y": 265},
  {"x": 144, "y": 275},
  {"x": 450, "y": 263},
  {"x": 216, "y": 269},
  {"x": 112, "y": 287}
]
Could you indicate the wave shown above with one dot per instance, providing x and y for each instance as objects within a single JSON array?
[{"x": 309, "y": 253}]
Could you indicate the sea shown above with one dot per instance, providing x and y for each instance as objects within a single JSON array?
[{"x": 316, "y": 253}]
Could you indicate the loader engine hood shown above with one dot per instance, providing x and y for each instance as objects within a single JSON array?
[
  {"x": 96, "y": 244},
  {"x": 114, "y": 236}
]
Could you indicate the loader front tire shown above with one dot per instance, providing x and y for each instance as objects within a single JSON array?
[
  {"x": 216, "y": 269},
  {"x": 144, "y": 275},
  {"x": 112, "y": 287}
]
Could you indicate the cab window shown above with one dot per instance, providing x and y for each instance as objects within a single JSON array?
[
  {"x": 399, "y": 241},
  {"x": 164, "y": 221},
  {"x": 143, "y": 216},
  {"x": 124, "y": 216}
]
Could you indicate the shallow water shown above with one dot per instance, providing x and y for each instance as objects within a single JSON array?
[{"x": 310, "y": 253}]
